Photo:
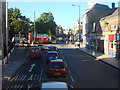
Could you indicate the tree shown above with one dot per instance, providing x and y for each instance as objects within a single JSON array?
[
  {"x": 17, "y": 23},
  {"x": 45, "y": 24}
]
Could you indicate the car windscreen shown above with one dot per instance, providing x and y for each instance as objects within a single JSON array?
[
  {"x": 56, "y": 65},
  {"x": 35, "y": 50},
  {"x": 52, "y": 54}
]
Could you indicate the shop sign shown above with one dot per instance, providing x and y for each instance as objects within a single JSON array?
[
  {"x": 114, "y": 27},
  {"x": 111, "y": 37}
]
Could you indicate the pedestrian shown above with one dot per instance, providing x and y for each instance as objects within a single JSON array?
[
  {"x": 66, "y": 42},
  {"x": 17, "y": 44}
]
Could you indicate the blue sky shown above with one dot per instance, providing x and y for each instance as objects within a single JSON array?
[{"x": 64, "y": 13}]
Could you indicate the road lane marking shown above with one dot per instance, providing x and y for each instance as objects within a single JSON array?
[
  {"x": 29, "y": 86},
  {"x": 35, "y": 76},
  {"x": 71, "y": 76},
  {"x": 31, "y": 77},
  {"x": 32, "y": 65},
  {"x": 41, "y": 74},
  {"x": 15, "y": 78},
  {"x": 65, "y": 63},
  {"x": 21, "y": 77},
  {"x": 11, "y": 87},
  {"x": 15, "y": 86},
  {"x": 24, "y": 77},
  {"x": 38, "y": 77},
  {"x": 18, "y": 86},
  {"x": 21, "y": 87}
]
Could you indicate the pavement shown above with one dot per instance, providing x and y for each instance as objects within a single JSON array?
[
  {"x": 18, "y": 57},
  {"x": 15, "y": 61}
]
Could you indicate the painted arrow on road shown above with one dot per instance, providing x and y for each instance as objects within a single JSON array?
[{"x": 32, "y": 65}]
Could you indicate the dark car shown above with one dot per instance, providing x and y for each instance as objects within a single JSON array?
[
  {"x": 57, "y": 68},
  {"x": 41, "y": 46},
  {"x": 49, "y": 58},
  {"x": 51, "y": 55},
  {"x": 52, "y": 48}
]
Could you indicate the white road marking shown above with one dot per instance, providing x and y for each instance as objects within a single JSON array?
[
  {"x": 15, "y": 78},
  {"x": 35, "y": 76},
  {"x": 38, "y": 77},
  {"x": 18, "y": 86},
  {"x": 24, "y": 77},
  {"x": 21, "y": 77},
  {"x": 71, "y": 76},
  {"x": 65, "y": 63},
  {"x": 32, "y": 67},
  {"x": 31, "y": 77},
  {"x": 11, "y": 87},
  {"x": 29, "y": 86},
  {"x": 15, "y": 86},
  {"x": 21, "y": 87},
  {"x": 41, "y": 74}
]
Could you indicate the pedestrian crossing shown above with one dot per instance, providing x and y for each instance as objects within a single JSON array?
[{"x": 27, "y": 77}]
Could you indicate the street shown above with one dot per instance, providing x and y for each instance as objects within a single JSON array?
[{"x": 83, "y": 71}]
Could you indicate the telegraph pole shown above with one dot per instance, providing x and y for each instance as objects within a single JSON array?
[
  {"x": 34, "y": 26},
  {"x": 1, "y": 32}
]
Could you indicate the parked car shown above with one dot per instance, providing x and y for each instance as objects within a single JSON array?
[
  {"x": 35, "y": 52},
  {"x": 41, "y": 46},
  {"x": 52, "y": 48},
  {"x": 55, "y": 85},
  {"x": 57, "y": 68}
]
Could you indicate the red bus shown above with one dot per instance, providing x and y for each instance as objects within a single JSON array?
[{"x": 42, "y": 38}]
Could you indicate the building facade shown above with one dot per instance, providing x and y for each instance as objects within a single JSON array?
[
  {"x": 111, "y": 30},
  {"x": 92, "y": 31}
]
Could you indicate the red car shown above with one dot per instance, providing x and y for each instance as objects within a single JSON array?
[
  {"x": 57, "y": 68},
  {"x": 35, "y": 52}
]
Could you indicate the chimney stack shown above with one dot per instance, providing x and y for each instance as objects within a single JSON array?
[{"x": 113, "y": 5}]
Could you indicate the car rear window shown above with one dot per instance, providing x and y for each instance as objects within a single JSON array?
[
  {"x": 35, "y": 50},
  {"x": 52, "y": 54},
  {"x": 56, "y": 65}
]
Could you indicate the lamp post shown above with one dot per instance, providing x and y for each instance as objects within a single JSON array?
[
  {"x": 78, "y": 21},
  {"x": 34, "y": 26}
]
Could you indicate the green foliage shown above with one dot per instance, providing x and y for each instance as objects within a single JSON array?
[
  {"x": 45, "y": 24},
  {"x": 17, "y": 23}
]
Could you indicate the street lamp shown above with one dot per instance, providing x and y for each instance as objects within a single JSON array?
[
  {"x": 34, "y": 25},
  {"x": 78, "y": 22}
]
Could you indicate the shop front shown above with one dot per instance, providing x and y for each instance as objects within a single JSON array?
[{"x": 113, "y": 44}]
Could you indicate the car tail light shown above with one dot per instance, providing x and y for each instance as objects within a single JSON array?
[
  {"x": 63, "y": 70},
  {"x": 51, "y": 70}
]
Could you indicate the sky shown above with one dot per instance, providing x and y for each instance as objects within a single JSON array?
[{"x": 63, "y": 12}]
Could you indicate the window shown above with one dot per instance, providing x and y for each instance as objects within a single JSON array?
[{"x": 35, "y": 50}]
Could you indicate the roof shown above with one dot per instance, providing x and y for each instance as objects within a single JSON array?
[
  {"x": 57, "y": 60},
  {"x": 100, "y": 7},
  {"x": 55, "y": 84},
  {"x": 52, "y": 52}
]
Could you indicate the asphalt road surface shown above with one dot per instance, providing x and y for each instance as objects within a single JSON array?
[{"x": 83, "y": 71}]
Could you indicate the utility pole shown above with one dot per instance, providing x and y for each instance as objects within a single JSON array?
[
  {"x": 1, "y": 42},
  {"x": 7, "y": 29},
  {"x": 34, "y": 26},
  {"x": 1, "y": 32},
  {"x": 78, "y": 22}
]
